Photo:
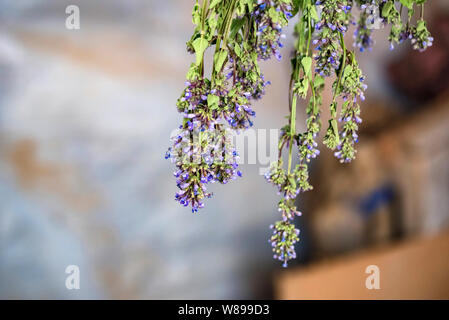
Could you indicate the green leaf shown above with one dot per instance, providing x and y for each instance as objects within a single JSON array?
[
  {"x": 411, "y": 12},
  {"x": 273, "y": 14},
  {"x": 306, "y": 64},
  {"x": 212, "y": 22},
  {"x": 252, "y": 76},
  {"x": 250, "y": 5},
  {"x": 236, "y": 25},
  {"x": 386, "y": 9},
  {"x": 313, "y": 13},
  {"x": 238, "y": 50},
  {"x": 292, "y": 182},
  {"x": 348, "y": 70},
  {"x": 407, "y": 3},
  {"x": 296, "y": 6},
  {"x": 193, "y": 72},
  {"x": 240, "y": 9},
  {"x": 199, "y": 45},
  {"x": 214, "y": 3},
  {"x": 421, "y": 26},
  {"x": 220, "y": 58},
  {"x": 301, "y": 87},
  {"x": 196, "y": 15},
  {"x": 318, "y": 82},
  {"x": 212, "y": 101},
  {"x": 293, "y": 62},
  {"x": 335, "y": 129}
]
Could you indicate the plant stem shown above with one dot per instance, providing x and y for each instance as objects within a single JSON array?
[
  {"x": 203, "y": 20},
  {"x": 228, "y": 23},
  {"x": 314, "y": 97},
  {"x": 295, "y": 76},
  {"x": 309, "y": 27},
  {"x": 292, "y": 131},
  {"x": 342, "y": 69},
  {"x": 223, "y": 34}
]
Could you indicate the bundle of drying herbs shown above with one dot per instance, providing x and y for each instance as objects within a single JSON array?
[{"x": 216, "y": 102}]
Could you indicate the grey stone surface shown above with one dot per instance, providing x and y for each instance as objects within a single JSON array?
[{"x": 85, "y": 118}]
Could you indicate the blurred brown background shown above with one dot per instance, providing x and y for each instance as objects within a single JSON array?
[{"x": 85, "y": 119}]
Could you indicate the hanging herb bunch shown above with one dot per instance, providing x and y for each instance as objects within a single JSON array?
[
  {"x": 241, "y": 33},
  {"x": 218, "y": 101}
]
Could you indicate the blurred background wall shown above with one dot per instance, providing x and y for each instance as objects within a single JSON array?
[{"x": 85, "y": 119}]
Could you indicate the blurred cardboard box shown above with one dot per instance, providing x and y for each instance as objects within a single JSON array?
[
  {"x": 416, "y": 269},
  {"x": 397, "y": 187}
]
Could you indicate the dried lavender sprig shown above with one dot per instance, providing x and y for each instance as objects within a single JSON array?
[
  {"x": 291, "y": 183},
  {"x": 332, "y": 57},
  {"x": 282, "y": 240}
]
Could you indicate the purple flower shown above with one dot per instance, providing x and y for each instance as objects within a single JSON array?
[{"x": 282, "y": 241}]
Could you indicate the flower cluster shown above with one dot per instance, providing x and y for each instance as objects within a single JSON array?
[
  {"x": 418, "y": 35},
  {"x": 334, "y": 20},
  {"x": 283, "y": 239},
  {"x": 352, "y": 89},
  {"x": 246, "y": 73},
  {"x": 201, "y": 157},
  {"x": 271, "y": 16},
  {"x": 364, "y": 28},
  {"x": 289, "y": 184}
]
